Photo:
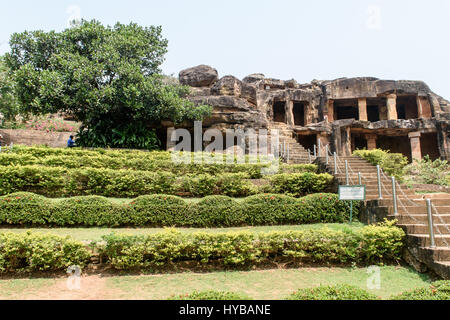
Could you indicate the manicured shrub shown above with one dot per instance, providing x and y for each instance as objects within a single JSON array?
[
  {"x": 159, "y": 210},
  {"x": 39, "y": 252},
  {"x": 216, "y": 211},
  {"x": 426, "y": 171},
  {"x": 87, "y": 211},
  {"x": 298, "y": 184},
  {"x": 210, "y": 295},
  {"x": 246, "y": 248},
  {"x": 167, "y": 210},
  {"x": 438, "y": 290},
  {"x": 200, "y": 185},
  {"x": 235, "y": 185},
  {"x": 269, "y": 209},
  {"x": 335, "y": 292},
  {"x": 391, "y": 163},
  {"x": 23, "y": 208}
]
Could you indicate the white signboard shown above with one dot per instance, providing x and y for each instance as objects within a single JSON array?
[{"x": 352, "y": 192}]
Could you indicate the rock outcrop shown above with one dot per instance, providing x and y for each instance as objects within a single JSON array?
[{"x": 199, "y": 76}]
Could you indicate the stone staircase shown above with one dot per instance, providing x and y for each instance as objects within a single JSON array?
[
  {"x": 297, "y": 153},
  {"x": 412, "y": 213}
]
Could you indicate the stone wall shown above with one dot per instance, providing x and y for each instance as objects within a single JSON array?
[{"x": 34, "y": 137}]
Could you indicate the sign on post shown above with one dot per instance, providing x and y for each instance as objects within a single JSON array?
[{"x": 352, "y": 193}]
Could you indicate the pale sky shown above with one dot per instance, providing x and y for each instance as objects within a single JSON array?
[{"x": 284, "y": 39}]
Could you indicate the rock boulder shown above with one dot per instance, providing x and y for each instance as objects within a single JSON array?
[{"x": 199, "y": 76}]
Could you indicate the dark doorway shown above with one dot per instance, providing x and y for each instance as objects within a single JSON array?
[
  {"x": 429, "y": 145},
  {"x": 395, "y": 144},
  {"x": 299, "y": 113},
  {"x": 359, "y": 142},
  {"x": 407, "y": 107},
  {"x": 373, "y": 113},
  {"x": 307, "y": 141},
  {"x": 279, "y": 111},
  {"x": 347, "y": 113}
]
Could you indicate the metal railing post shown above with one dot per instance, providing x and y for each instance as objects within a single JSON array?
[
  {"x": 315, "y": 151},
  {"x": 394, "y": 196},
  {"x": 319, "y": 147},
  {"x": 346, "y": 172},
  {"x": 430, "y": 224},
  {"x": 359, "y": 178},
  {"x": 326, "y": 154},
  {"x": 380, "y": 195},
  {"x": 309, "y": 155},
  {"x": 335, "y": 163}
]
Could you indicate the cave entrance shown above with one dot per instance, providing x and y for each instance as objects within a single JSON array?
[
  {"x": 307, "y": 141},
  {"x": 429, "y": 145},
  {"x": 373, "y": 113},
  {"x": 395, "y": 144},
  {"x": 407, "y": 107},
  {"x": 279, "y": 111},
  {"x": 346, "y": 109},
  {"x": 299, "y": 113}
]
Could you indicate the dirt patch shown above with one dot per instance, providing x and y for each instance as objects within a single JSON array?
[{"x": 88, "y": 288}]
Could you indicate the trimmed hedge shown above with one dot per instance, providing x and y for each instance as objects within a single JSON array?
[
  {"x": 210, "y": 295},
  {"x": 438, "y": 290},
  {"x": 371, "y": 244},
  {"x": 335, "y": 292},
  {"x": 62, "y": 182},
  {"x": 298, "y": 184},
  {"x": 40, "y": 252},
  {"x": 391, "y": 163},
  {"x": 165, "y": 210},
  {"x": 135, "y": 160}
]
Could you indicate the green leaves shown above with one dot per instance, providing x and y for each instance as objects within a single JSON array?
[{"x": 106, "y": 76}]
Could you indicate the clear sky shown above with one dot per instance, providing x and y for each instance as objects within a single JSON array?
[{"x": 284, "y": 39}]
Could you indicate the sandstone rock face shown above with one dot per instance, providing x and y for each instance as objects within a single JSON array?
[
  {"x": 252, "y": 78},
  {"x": 199, "y": 76},
  {"x": 227, "y": 86}
]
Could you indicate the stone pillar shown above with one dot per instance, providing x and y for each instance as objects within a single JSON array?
[
  {"x": 362, "y": 108},
  {"x": 290, "y": 113},
  {"x": 392, "y": 107},
  {"x": 423, "y": 108},
  {"x": 330, "y": 106},
  {"x": 414, "y": 138},
  {"x": 346, "y": 142},
  {"x": 371, "y": 141}
]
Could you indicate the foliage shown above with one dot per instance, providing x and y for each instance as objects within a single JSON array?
[
  {"x": 298, "y": 184},
  {"x": 438, "y": 290},
  {"x": 133, "y": 160},
  {"x": 49, "y": 125},
  {"x": 247, "y": 248},
  {"x": 426, "y": 171},
  {"x": 9, "y": 105},
  {"x": 335, "y": 292},
  {"x": 39, "y": 252},
  {"x": 106, "y": 77},
  {"x": 28, "y": 209},
  {"x": 210, "y": 295},
  {"x": 391, "y": 163}
]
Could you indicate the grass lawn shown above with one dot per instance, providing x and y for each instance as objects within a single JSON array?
[
  {"x": 263, "y": 284},
  {"x": 97, "y": 233}
]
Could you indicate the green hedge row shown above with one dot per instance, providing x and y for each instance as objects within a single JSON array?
[
  {"x": 62, "y": 182},
  {"x": 29, "y": 209},
  {"x": 438, "y": 290},
  {"x": 40, "y": 252},
  {"x": 136, "y": 160},
  {"x": 370, "y": 244}
]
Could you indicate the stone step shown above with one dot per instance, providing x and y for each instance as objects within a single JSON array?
[
  {"x": 424, "y": 240},
  {"x": 420, "y": 218},
  {"x": 423, "y": 228},
  {"x": 405, "y": 208},
  {"x": 438, "y": 254}
]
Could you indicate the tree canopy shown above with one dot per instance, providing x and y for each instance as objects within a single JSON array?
[{"x": 107, "y": 77}]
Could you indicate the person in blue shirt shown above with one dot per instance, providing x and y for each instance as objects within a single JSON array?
[{"x": 70, "y": 142}]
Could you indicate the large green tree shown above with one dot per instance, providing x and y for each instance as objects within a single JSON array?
[
  {"x": 108, "y": 78},
  {"x": 9, "y": 105}
]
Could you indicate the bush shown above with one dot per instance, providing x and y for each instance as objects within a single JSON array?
[
  {"x": 216, "y": 211},
  {"x": 167, "y": 210},
  {"x": 246, "y": 248},
  {"x": 391, "y": 163},
  {"x": 23, "y": 208},
  {"x": 335, "y": 292},
  {"x": 87, "y": 211},
  {"x": 159, "y": 210},
  {"x": 426, "y": 171},
  {"x": 438, "y": 290},
  {"x": 298, "y": 184},
  {"x": 210, "y": 295},
  {"x": 39, "y": 252}
]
